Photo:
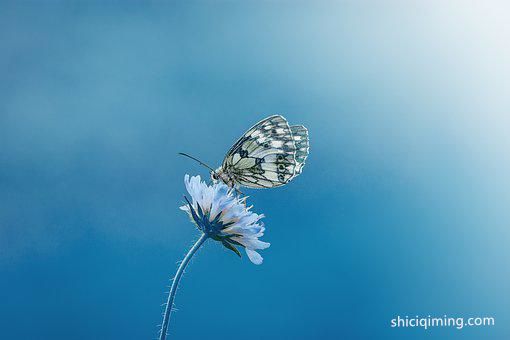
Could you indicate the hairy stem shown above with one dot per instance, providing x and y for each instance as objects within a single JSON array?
[{"x": 175, "y": 283}]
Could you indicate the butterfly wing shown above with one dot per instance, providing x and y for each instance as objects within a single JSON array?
[
  {"x": 300, "y": 136},
  {"x": 265, "y": 156}
]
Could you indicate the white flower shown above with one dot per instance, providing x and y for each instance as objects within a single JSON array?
[{"x": 224, "y": 217}]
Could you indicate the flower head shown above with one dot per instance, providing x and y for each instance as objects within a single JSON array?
[{"x": 224, "y": 217}]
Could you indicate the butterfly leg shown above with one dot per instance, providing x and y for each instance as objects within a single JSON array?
[{"x": 239, "y": 192}]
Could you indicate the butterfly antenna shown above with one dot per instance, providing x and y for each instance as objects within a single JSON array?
[{"x": 197, "y": 160}]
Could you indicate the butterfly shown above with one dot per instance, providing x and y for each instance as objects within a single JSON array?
[{"x": 270, "y": 154}]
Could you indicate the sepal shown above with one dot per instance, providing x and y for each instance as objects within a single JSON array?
[{"x": 229, "y": 246}]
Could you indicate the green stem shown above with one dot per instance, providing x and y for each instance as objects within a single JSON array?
[{"x": 175, "y": 283}]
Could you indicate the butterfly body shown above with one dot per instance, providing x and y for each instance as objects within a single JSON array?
[
  {"x": 269, "y": 154},
  {"x": 224, "y": 176}
]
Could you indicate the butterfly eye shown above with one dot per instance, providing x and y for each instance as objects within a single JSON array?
[
  {"x": 280, "y": 158},
  {"x": 281, "y": 167}
]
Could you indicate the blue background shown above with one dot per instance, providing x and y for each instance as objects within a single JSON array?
[{"x": 402, "y": 208}]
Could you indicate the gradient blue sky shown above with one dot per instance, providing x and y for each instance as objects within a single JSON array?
[{"x": 402, "y": 208}]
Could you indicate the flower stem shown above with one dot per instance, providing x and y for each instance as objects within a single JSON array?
[{"x": 175, "y": 283}]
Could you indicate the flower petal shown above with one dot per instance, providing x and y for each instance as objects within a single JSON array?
[
  {"x": 254, "y": 256},
  {"x": 251, "y": 242}
]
